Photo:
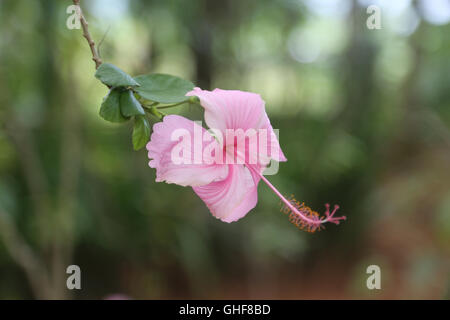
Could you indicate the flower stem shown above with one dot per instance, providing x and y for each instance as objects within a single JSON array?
[
  {"x": 191, "y": 99},
  {"x": 172, "y": 105},
  {"x": 154, "y": 111}
]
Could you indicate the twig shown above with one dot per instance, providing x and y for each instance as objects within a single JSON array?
[
  {"x": 101, "y": 41},
  {"x": 87, "y": 35}
]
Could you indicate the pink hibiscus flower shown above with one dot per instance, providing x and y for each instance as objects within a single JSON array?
[{"x": 223, "y": 169}]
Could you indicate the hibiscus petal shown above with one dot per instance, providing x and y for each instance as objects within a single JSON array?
[
  {"x": 232, "y": 198},
  {"x": 234, "y": 109},
  {"x": 176, "y": 132},
  {"x": 273, "y": 146}
]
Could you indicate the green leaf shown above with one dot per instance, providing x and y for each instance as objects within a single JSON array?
[
  {"x": 112, "y": 76},
  {"x": 141, "y": 132},
  {"x": 110, "y": 109},
  {"x": 163, "y": 88},
  {"x": 129, "y": 106}
]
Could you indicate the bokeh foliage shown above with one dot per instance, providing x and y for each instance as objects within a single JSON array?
[{"x": 364, "y": 119}]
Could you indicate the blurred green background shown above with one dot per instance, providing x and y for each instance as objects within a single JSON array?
[{"x": 364, "y": 119}]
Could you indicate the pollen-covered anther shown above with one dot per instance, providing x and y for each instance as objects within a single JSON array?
[{"x": 303, "y": 217}]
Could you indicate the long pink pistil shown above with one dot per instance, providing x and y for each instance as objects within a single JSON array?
[{"x": 301, "y": 215}]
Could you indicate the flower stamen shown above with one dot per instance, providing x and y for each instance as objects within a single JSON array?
[
  {"x": 302, "y": 216},
  {"x": 296, "y": 217}
]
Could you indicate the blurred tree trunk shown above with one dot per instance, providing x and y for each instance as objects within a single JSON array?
[
  {"x": 52, "y": 202},
  {"x": 201, "y": 32},
  {"x": 358, "y": 76}
]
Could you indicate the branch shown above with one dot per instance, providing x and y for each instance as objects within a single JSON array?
[
  {"x": 87, "y": 35},
  {"x": 24, "y": 256},
  {"x": 33, "y": 170}
]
